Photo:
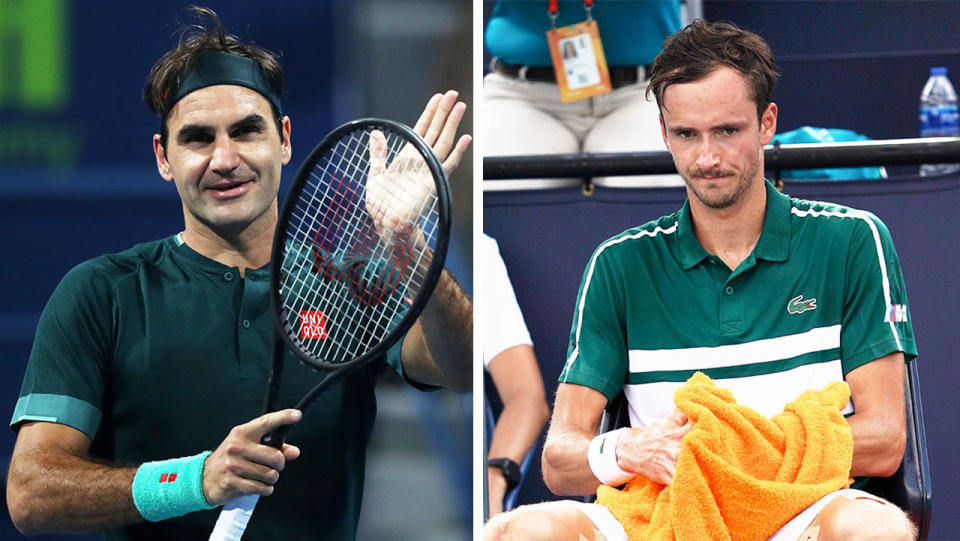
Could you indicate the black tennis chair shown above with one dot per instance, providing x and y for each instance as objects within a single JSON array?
[{"x": 909, "y": 488}]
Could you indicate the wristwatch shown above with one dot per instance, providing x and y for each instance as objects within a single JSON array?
[{"x": 511, "y": 470}]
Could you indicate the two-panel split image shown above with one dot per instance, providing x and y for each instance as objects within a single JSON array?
[{"x": 449, "y": 270}]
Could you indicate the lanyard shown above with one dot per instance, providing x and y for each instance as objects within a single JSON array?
[{"x": 553, "y": 7}]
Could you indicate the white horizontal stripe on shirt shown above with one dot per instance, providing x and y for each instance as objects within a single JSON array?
[
  {"x": 766, "y": 394},
  {"x": 757, "y": 351}
]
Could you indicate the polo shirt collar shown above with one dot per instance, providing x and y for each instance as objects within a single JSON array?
[
  {"x": 690, "y": 251},
  {"x": 185, "y": 253},
  {"x": 774, "y": 243}
]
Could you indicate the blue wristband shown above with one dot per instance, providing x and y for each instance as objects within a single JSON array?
[{"x": 170, "y": 488}]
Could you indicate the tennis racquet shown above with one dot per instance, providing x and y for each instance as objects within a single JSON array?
[{"x": 359, "y": 246}]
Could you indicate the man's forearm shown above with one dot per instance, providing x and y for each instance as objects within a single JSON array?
[
  {"x": 879, "y": 428},
  {"x": 447, "y": 323},
  {"x": 576, "y": 414},
  {"x": 517, "y": 428},
  {"x": 565, "y": 468},
  {"x": 55, "y": 492},
  {"x": 877, "y": 450}
]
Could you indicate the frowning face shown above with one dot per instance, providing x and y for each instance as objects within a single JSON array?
[{"x": 711, "y": 128}]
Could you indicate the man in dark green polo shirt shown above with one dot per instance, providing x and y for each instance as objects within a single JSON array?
[
  {"x": 162, "y": 351},
  {"x": 768, "y": 295}
]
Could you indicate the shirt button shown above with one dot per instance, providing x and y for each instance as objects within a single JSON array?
[
  {"x": 228, "y": 276},
  {"x": 246, "y": 324},
  {"x": 728, "y": 290}
]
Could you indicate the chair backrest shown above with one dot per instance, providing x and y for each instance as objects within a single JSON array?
[{"x": 909, "y": 488}]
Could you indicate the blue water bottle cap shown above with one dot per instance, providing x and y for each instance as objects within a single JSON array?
[{"x": 938, "y": 70}]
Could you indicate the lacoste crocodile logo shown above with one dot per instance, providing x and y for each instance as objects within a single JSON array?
[{"x": 798, "y": 305}]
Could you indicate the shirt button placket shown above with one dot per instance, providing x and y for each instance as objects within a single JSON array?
[{"x": 730, "y": 322}]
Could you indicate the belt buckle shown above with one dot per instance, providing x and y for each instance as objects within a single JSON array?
[
  {"x": 620, "y": 76},
  {"x": 617, "y": 77}
]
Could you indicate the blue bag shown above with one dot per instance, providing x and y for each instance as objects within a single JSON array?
[{"x": 807, "y": 134}]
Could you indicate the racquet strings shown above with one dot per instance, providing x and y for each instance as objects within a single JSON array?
[{"x": 358, "y": 245}]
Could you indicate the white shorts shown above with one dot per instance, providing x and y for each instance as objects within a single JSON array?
[
  {"x": 603, "y": 519},
  {"x": 527, "y": 117},
  {"x": 612, "y": 530},
  {"x": 791, "y": 531}
]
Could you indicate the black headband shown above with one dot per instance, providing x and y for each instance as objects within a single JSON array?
[{"x": 220, "y": 68}]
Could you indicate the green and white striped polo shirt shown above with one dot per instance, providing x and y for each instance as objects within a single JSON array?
[{"x": 821, "y": 294}]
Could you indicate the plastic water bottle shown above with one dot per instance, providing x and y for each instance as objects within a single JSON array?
[{"x": 938, "y": 116}]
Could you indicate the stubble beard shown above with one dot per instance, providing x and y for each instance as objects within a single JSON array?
[
  {"x": 722, "y": 200},
  {"x": 249, "y": 213}
]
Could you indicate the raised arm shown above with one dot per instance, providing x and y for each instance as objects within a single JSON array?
[
  {"x": 439, "y": 347},
  {"x": 54, "y": 486},
  {"x": 438, "y": 125},
  {"x": 395, "y": 193}
]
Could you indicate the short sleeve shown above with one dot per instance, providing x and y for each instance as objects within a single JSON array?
[
  {"x": 876, "y": 314},
  {"x": 597, "y": 352},
  {"x": 64, "y": 378},
  {"x": 503, "y": 322},
  {"x": 395, "y": 361}
]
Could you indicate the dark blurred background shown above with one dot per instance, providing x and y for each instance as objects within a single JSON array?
[
  {"x": 854, "y": 65},
  {"x": 78, "y": 179}
]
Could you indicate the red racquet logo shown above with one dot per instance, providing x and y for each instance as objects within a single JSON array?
[{"x": 313, "y": 324}]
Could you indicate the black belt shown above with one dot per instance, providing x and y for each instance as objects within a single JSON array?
[{"x": 619, "y": 75}]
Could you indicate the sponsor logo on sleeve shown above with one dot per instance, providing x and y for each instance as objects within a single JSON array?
[{"x": 896, "y": 313}]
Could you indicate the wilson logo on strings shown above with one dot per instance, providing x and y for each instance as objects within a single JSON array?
[{"x": 370, "y": 283}]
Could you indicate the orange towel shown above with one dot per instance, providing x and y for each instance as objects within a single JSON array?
[{"x": 740, "y": 475}]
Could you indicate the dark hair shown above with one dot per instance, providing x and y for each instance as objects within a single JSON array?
[
  {"x": 195, "y": 39},
  {"x": 694, "y": 52}
]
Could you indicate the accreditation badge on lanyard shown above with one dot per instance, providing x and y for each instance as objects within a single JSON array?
[{"x": 577, "y": 54}]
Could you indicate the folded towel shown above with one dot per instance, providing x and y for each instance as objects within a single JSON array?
[{"x": 740, "y": 475}]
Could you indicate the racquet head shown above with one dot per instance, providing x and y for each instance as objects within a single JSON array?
[{"x": 360, "y": 243}]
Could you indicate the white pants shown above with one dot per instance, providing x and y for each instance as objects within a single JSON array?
[
  {"x": 612, "y": 530},
  {"x": 524, "y": 117}
]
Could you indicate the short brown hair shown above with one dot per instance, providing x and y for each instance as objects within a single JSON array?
[
  {"x": 207, "y": 35},
  {"x": 694, "y": 52}
]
